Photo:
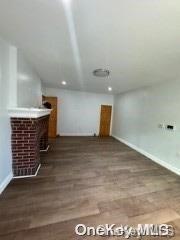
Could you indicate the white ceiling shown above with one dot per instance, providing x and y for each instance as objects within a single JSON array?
[{"x": 137, "y": 40}]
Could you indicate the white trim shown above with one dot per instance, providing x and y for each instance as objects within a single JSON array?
[
  {"x": 77, "y": 134},
  {"x": 150, "y": 156},
  {"x": 6, "y": 181},
  {"x": 29, "y": 176},
  {"x": 28, "y": 112},
  {"x": 45, "y": 150}
]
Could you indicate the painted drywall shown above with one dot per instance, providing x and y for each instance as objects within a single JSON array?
[
  {"x": 12, "y": 86},
  {"x": 19, "y": 87},
  {"x": 78, "y": 112},
  {"x": 138, "y": 40},
  {"x": 5, "y": 130},
  {"x": 137, "y": 115},
  {"x": 29, "y": 92}
]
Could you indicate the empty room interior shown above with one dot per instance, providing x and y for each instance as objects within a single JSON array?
[{"x": 89, "y": 119}]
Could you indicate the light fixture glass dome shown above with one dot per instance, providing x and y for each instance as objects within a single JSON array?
[{"x": 101, "y": 72}]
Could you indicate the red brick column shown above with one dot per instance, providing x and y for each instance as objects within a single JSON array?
[{"x": 26, "y": 134}]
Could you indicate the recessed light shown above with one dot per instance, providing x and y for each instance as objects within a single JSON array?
[
  {"x": 64, "y": 83},
  {"x": 101, "y": 72},
  {"x": 110, "y": 89}
]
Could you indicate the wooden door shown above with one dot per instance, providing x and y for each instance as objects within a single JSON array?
[
  {"x": 52, "y": 133},
  {"x": 105, "y": 121}
]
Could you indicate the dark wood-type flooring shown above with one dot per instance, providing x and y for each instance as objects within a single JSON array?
[{"x": 92, "y": 181}]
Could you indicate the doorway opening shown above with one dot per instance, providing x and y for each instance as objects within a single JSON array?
[{"x": 105, "y": 121}]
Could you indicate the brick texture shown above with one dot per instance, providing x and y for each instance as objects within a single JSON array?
[{"x": 29, "y": 136}]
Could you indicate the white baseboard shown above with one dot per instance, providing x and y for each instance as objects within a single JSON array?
[
  {"x": 77, "y": 134},
  {"x": 6, "y": 181},
  {"x": 29, "y": 176},
  {"x": 45, "y": 150},
  {"x": 150, "y": 156}
]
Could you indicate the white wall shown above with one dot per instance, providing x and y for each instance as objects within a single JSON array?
[
  {"x": 5, "y": 130},
  {"x": 19, "y": 87},
  {"x": 29, "y": 84},
  {"x": 78, "y": 112},
  {"x": 136, "y": 118}
]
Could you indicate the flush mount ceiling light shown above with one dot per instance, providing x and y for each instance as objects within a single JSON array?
[
  {"x": 110, "y": 89},
  {"x": 63, "y": 82},
  {"x": 101, "y": 72}
]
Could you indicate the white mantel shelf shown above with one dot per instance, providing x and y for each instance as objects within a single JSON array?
[{"x": 28, "y": 112}]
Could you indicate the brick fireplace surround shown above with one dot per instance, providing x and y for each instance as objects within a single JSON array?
[{"x": 29, "y": 136}]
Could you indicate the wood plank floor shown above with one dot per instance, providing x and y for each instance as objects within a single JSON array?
[{"x": 92, "y": 181}]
